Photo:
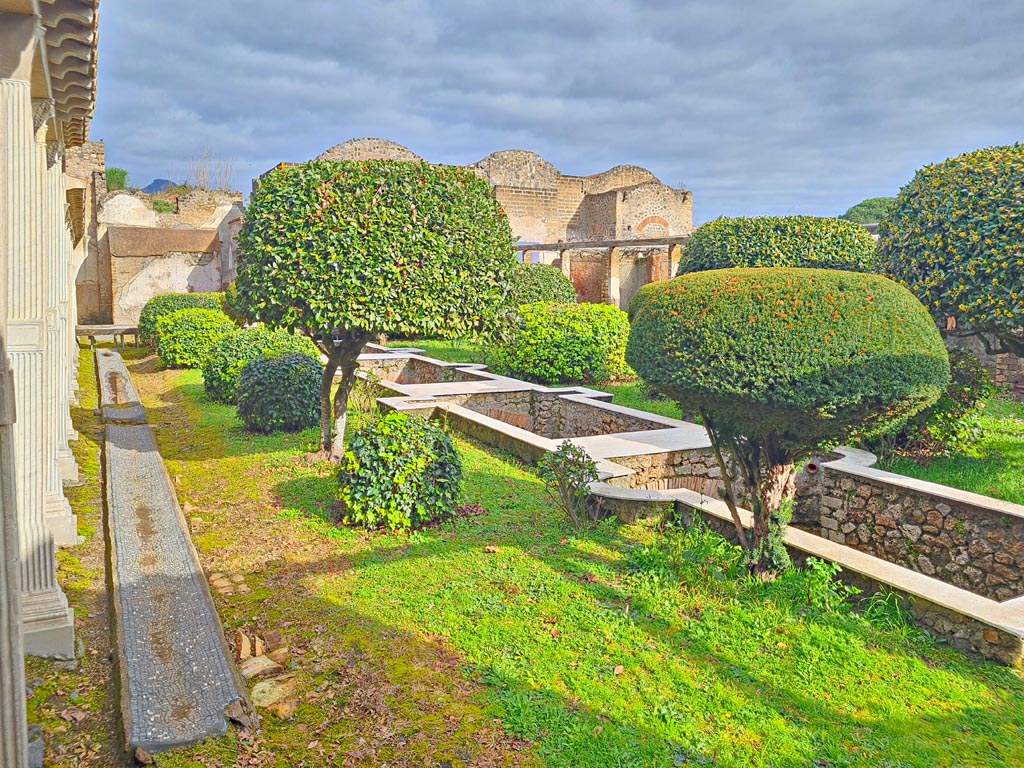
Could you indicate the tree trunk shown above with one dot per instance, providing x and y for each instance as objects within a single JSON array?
[
  {"x": 326, "y": 420},
  {"x": 730, "y": 494},
  {"x": 348, "y": 378}
]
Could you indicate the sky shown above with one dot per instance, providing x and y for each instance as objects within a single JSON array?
[{"x": 788, "y": 107}]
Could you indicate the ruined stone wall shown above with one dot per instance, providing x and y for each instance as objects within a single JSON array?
[
  {"x": 695, "y": 469},
  {"x": 968, "y": 544},
  {"x": 654, "y": 210},
  {"x": 87, "y": 166},
  {"x": 1007, "y": 370}
]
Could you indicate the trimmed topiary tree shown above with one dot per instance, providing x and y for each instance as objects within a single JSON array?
[
  {"x": 540, "y": 282},
  {"x": 955, "y": 237},
  {"x": 781, "y": 361},
  {"x": 344, "y": 251},
  {"x": 226, "y": 359},
  {"x": 280, "y": 393},
  {"x": 400, "y": 472},
  {"x": 184, "y": 338},
  {"x": 779, "y": 241},
  {"x": 566, "y": 344},
  {"x": 166, "y": 303},
  {"x": 870, "y": 211}
]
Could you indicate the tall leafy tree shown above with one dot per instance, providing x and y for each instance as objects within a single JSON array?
[
  {"x": 344, "y": 251},
  {"x": 870, "y": 211},
  {"x": 779, "y": 361},
  {"x": 955, "y": 237}
]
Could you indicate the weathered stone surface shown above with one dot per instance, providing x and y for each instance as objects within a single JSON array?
[
  {"x": 259, "y": 667},
  {"x": 179, "y": 679}
]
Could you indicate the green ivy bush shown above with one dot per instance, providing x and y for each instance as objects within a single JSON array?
[
  {"x": 955, "y": 238},
  {"x": 227, "y": 357},
  {"x": 399, "y": 472},
  {"x": 184, "y": 337},
  {"x": 531, "y": 283},
  {"x": 779, "y": 241},
  {"x": 280, "y": 393},
  {"x": 165, "y": 304},
  {"x": 566, "y": 344}
]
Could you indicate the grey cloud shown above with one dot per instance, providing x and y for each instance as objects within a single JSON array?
[{"x": 794, "y": 106}]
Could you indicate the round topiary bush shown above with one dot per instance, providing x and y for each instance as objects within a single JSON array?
[
  {"x": 806, "y": 353},
  {"x": 779, "y": 361},
  {"x": 531, "y": 283},
  {"x": 400, "y": 472},
  {"x": 184, "y": 338},
  {"x": 227, "y": 358},
  {"x": 566, "y": 344},
  {"x": 779, "y": 241},
  {"x": 955, "y": 237},
  {"x": 280, "y": 393},
  {"x": 165, "y": 304}
]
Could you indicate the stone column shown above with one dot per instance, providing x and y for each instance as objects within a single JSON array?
[
  {"x": 675, "y": 253},
  {"x": 13, "y": 733},
  {"x": 57, "y": 318},
  {"x": 614, "y": 264},
  {"x": 48, "y": 621}
]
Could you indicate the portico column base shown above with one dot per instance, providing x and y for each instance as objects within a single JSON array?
[
  {"x": 61, "y": 521},
  {"x": 66, "y": 464},
  {"x": 49, "y": 624}
]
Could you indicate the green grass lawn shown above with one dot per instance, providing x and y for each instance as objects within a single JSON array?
[
  {"x": 994, "y": 468},
  {"x": 451, "y": 351},
  {"x": 506, "y": 639}
]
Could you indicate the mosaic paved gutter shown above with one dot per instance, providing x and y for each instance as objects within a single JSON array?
[
  {"x": 175, "y": 677},
  {"x": 118, "y": 399}
]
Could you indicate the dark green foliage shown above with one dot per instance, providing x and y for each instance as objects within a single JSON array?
[
  {"x": 117, "y": 178},
  {"x": 345, "y": 251},
  {"x": 184, "y": 337},
  {"x": 227, "y": 358},
  {"x": 566, "y": 344},
  {"x": 280, "y": 393},
  {"x": 804, "y": 354},
  {"x": 779, "y": 361},
  {"x": 532, "y": 283},
  {"x": 779, "y": 241},
  {"x": 870, "y": 211},
  {"x": 951, "y": 425},
  {"x": 164, "y": 304},
  {"x": 567, "y": 473},
  {"x": 382, "y": 246},
  {"x": 232, "y": 307},
  {"x": 955, "y": 236},
  {"x": 400, "y": 472}
]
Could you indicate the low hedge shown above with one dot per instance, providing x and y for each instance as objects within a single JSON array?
[
  {"x": 566, "y": 344},
  {"x": 280, "y": 393},
  {"x": 165, "y": 304},
  {"x": 184, "y": 338},
  {"x": 400, "y": 472},
  {"x": 531, "y": 283},
  {"x": 227, "y": 358},
  {"x": 779, "y": 241},
  {"x": 802, "y": 354}
]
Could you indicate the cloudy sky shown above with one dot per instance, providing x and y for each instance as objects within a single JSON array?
[{"x": 798, "y": 106}]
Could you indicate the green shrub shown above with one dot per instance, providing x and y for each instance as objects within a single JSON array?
[
  {"x": 567, "y": 473},
  {"x": 117, "y": 178},
  {"x": 870, "y": 211},
  {"x": 778, "y": 362},
  {"x": 184, "y": 338},
  {"x": 955, "y": 237},
  {"x": 531, "y": 283},
  {"x": 953, "y": 424},
  {"x": 779, "y": 241},
  {"x": 232, "y": 308},
  {"x": 280, "y": 393},
  {"x": 398, "y": 473},
  {"x": 165, "y": 304},
  {"x": 566, "y": 344},
  {"x": 229, "y": 355},
  {"x": 164, "y": 206}
]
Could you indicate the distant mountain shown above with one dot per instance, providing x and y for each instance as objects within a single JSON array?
[{"x": 157, "y": 185}]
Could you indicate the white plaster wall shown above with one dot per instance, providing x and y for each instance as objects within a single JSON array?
[
  {"x": 173, "y": 273},
  {"x": 127, "y": 210}
]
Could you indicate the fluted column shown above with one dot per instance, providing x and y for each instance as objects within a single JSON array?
[
  {"x": 13, "y": 736},
  {"x": 48, "y": 621},
  {"x": 59, "y": 517}
]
